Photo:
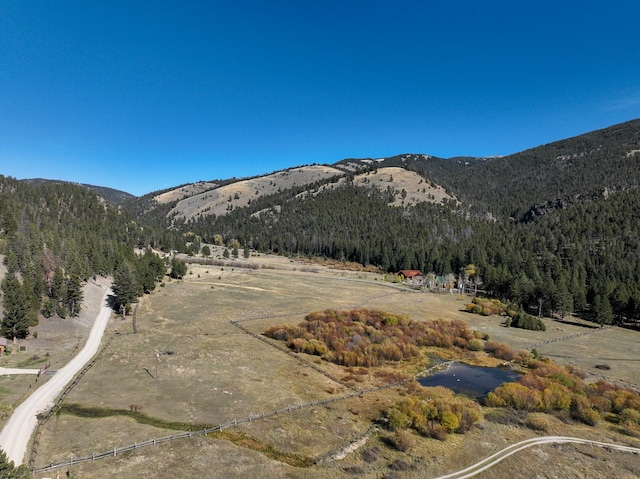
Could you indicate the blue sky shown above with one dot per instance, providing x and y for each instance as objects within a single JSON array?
[{"x": 141, "y": 96}]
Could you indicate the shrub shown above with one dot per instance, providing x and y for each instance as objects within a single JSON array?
[
  {"x": 368, "y": 338},
  {"x": 630, "y": 415},
  {"x": 556, "y": 396},
  {"x": 355, "y": 470},
  {"x": 370, "y": 455},
  {"x": 515, "y": 395},
  {"x": 538, "y": 423},
  {"x": 397, "y": 419},
  {"x": 526, "y": 321},
  {"x": 449, "y": 420},
  {"x": 434, "y": 413},
  {"x": 499, "y": 350},
  {"x": 507, "y": 417},
  {"x": 437, "y": 431},
  {"x": 582, "y": 410},
  {"x": 486, "y": 306},
  {"x": 475, "y": 344},
  {"x": 400, "y": 465},
  {"x": 402, "y": 440}
]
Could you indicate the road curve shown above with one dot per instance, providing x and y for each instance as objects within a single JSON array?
[
  {"x": 15, "y": 435},
  {"x": 494, "y": 459}
]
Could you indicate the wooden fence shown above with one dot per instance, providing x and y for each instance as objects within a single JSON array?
[
  {"x": 203, "y": 432},
  {"x": 235, "y": 422}
]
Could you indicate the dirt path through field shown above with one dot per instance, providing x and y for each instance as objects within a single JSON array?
[{"x": 16, "y": 433}]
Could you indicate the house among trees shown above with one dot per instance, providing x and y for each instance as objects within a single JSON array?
[
  {"x": 3, "y": 346},
  {"x": 412, "y": 276}
]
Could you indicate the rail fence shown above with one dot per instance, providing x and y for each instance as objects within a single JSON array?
[
  {"x": 620, "y": 382},
  {"x": 294, "y": 355},
  {"x": 45, "y": 416},
  {"x": 203, "y": 432},
  {"x": 571, "y": 336}
]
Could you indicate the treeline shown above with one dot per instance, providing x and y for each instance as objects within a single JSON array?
[{"x": 583, "y": 259}]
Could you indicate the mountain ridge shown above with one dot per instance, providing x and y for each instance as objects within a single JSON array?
[
  {"x": 556, "y": 223},
  {"x": 619, "y": 142}
]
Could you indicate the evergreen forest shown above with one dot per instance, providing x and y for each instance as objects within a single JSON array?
[{"x": 553, "y": 230}]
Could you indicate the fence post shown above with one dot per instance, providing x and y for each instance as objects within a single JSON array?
[{"x": 114, "y": 451}]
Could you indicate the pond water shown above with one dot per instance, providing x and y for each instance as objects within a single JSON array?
[{"x": 472, "y": 381}]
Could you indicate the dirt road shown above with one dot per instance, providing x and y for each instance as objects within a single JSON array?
[
  {"x": 514, "y": 448},
  {"x": 14, "y": 438}
]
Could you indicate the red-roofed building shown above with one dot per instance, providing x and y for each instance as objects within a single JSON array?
[{"x": 411, "y": 276}]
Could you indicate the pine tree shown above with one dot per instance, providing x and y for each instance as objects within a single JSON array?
[
  {"x": 9, "y": 471},
  {"x": 178, "y": 268},
  {"x": 57, "y": 292},
  {"x": 150, "y": 269},
  {"x": 603, "y": 311},
  {"x": 74, "y": 294},
  {"x": 15, "y": 323},
  {"x": 125, "y": 287}
]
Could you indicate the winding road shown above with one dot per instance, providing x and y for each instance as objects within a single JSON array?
[
  {"x": 15, "y": 435},
  {"x": 494, "y": 459}
]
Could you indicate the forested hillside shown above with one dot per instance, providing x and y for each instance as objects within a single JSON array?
[
  {"x": 583, "y": 168},
  {"x": 554, "y": 228},
  {"x": 55, "y": 236}
]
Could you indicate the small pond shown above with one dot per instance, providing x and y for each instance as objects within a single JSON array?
[{"x": 472, "y": 381}]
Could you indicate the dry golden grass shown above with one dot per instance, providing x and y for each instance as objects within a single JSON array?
[
  {"x": 205, "y": 198},
  {"x": 217, "y": 372},
  {"x": 237, "y": 195}
]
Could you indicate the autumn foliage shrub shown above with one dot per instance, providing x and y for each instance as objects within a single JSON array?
[
  {"x": 499, "y": 350},
  {"x": 434, "y": 413},
  {"x": 551, "y": 388},
  {"x": 367, "y": 338},
  {"x": 487, "y": 307},
  {"x": 402, "y": 440},
  {"x": 538, "y": 423}
]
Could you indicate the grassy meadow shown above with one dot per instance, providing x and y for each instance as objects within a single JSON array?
[{"x": 189, "y": 366}]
